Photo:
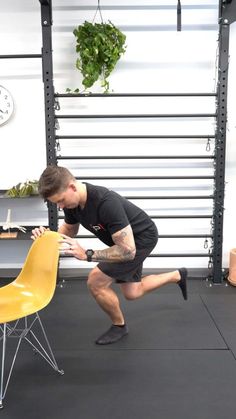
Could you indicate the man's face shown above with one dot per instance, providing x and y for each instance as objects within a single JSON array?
[{"x": 69, "y": 198}]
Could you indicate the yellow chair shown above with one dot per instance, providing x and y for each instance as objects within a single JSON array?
[{"x": 30, "y": 292}]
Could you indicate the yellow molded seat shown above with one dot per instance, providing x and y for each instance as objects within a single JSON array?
[{"x": 30, "y": 292}]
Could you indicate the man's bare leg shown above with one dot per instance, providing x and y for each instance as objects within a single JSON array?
[
  {"x": 99, "y": 286},
  {"x": 134, "y": 290}
]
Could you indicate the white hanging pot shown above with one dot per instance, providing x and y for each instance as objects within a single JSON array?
[{"x": 232, "y": 267}]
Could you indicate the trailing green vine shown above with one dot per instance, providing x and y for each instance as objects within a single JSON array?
[{"x": 100, "y": 46}]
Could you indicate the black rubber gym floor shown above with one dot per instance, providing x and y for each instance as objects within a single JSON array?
[{"x": 179, "y": 360}]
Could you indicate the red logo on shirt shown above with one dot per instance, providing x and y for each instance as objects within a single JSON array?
[{"x": 98, "y": 227}]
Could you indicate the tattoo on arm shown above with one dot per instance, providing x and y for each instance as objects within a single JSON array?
[{"x": 123, "y": 249}]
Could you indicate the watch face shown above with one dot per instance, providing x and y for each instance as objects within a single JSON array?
[
  {"x": 89, "y": 253},
  {"x": 6, "y": 105}
]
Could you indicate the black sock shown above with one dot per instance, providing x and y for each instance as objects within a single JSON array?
[{"x": 119, "y": 325}]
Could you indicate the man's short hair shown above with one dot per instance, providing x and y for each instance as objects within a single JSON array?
[{"x": 54, "y": 179}]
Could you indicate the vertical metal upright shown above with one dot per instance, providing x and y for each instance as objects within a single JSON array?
[
  {"x": 227, "y": 15},
  {"x": 47, "y": 61}
]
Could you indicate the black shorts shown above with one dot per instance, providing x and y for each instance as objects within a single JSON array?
[{"x": 130, "y": 271}]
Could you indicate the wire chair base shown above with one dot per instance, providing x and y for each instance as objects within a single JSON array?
[{"x": 22, "y": 330}]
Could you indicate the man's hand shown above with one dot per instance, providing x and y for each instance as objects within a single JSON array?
[
  {"x": 73, "y": 249},
  {"x": 38, "y": 231}
]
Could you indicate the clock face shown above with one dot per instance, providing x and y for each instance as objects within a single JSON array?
[{"x": 6, "y": 105}]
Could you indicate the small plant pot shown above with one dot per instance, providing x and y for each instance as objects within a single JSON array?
[{"x": 232, "y": 267}]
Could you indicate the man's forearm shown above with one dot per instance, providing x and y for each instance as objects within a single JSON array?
[
  {"x": 113, "y": 254},
  {"x": 123, "y": 250},
  {"x": 68, "y": 229}
]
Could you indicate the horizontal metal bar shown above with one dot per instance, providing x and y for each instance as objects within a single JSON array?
[
  {"x": 135, "y": 157},
  {"x": 185, "y": 236},
  {"x": 117, "y": 116},
  {"x": 169, "y": 217},
  {"x": 163, "y": 255},
  {"x": 135, "y": 137},
  {"x": 158, "y": 28},
  {"x": 106, "y": 95},
  {"x": 137, "y": 7},
  {"x": 171, "y": 197},
  {"x": 142, "y": 177},
  {"x": 168, "y": 28},
  {"x": 194, "y": 255},
  {"x": 161, "y": 236},
  {"x": 13, "y": 56}
]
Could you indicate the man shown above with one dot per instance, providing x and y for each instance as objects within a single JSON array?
[{"x": 128, "y": 231}]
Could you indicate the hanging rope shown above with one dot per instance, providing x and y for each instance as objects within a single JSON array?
[{"x": 100, "y": 12}]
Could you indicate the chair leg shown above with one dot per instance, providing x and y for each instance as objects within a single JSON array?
[
  {"x": 3, "y": 364},
  {"x": 3, "y": 389},
  {"x": 47, "y": 353},
  {"x": 25, "y": 333}
]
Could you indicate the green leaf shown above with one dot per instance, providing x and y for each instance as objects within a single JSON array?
[{"x": 100, "y": 46}]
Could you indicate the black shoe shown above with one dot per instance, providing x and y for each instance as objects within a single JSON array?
[
  {"x": 112, "y": 335},
  {"x": 183, "y": 282}
]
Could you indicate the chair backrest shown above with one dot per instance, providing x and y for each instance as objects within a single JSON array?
[{"x": 39, "y": 272}]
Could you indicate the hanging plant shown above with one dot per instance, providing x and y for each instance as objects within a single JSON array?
[{"x": 100, "y": 46}]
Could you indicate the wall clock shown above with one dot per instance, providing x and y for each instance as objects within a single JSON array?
[{"x": 6, "y": 105}]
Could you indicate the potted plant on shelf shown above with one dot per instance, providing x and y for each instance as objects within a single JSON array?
[
  {"x": 23, "y": 190},
  {"x": 100, "y": 46}
]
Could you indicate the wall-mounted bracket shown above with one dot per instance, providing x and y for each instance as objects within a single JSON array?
[{"x": 227, "y": 12}]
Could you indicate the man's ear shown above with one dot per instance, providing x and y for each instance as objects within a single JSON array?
[{"x": 72, "y": 186}]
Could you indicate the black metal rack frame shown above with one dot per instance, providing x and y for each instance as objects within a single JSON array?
[{"x": 227, "y": 15}]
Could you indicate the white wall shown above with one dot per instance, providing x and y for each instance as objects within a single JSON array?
[
  {"x": 23, "y": 153},
  {"x": 158, "y": 59}
]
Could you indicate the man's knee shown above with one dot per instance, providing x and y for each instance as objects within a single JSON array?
[
  {"x": 131, "y": 291},
  {"x": 92, "y": 280},
  {"x": 97, "y": 281},
  {"x": 130, "y": 296}
]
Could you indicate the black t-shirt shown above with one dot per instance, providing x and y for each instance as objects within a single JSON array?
[{"x": 106, "y": 212}]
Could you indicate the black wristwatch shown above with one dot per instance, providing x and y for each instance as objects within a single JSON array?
[{"x": 89, "y": 254}]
